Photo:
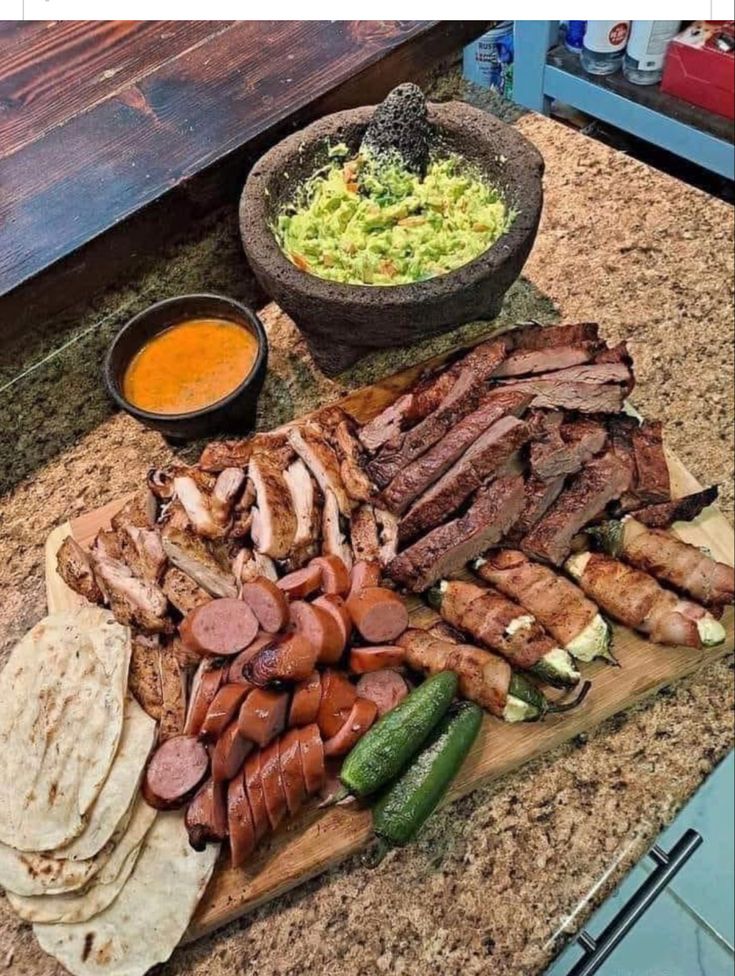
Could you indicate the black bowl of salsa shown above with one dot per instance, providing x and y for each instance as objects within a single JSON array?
[{"x": 190, "y": 366}]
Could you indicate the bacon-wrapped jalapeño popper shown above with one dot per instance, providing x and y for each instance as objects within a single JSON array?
[
  {"x": 505, "y": 627},
  {"x": 559, "y": 605},
  {"x": 684, "y": 567},
  {"x": 483, "y": 677},
  {"x": 637, "y": 600}
]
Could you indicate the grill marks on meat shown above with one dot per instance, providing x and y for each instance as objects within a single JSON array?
[
  {"x": 143, "y": 551},
  {"x": 684, "y": 509},
  {"x": 640, "y": 448},
  {"x": 133, "y": 601},
  {"x": 274, "y": 524},
  {"x": 218, "y": 455},
  {"x": 351, "y": 468},
  {"x": 173, "y": 693},
  {"x": 144, "y": 676},
  {"x": 193, "y": 556},
  {"x": 479, "y": 463},
  {"x": 312, "y": 445},
  {"x": 74, "y": 567},
  {"x": 582, "y": 501},
  {"x": 538, "y": 497},
  {"x": 182, "y": 591},
  {"x": 426, "y": 469},
  {"x": 364, "y": 534},
  {"x": 564, "y": 448},
  {"x": 448, "y": 547}
]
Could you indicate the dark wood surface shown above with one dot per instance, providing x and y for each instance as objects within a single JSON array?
[{"x": 101, "y": 121}]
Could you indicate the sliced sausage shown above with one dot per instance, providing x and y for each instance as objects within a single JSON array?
[
  {"x": 364, "y": 573},
  {"x": 289, "y": 657},
  {"x": 204, "y": 686},
  {"x": 273, "y": 791},
  {"x": 229, "y": 753},
  {"x": 335, "y": 576},
  {"x": 361, "y": 717},
  {"x": 223, "y": 709},
  {"x": 380, "y": 615},
  {"x": 338, "y": 697},
  {"x": 263, "y": 715},
  {"x": 256, "y": 796},
  {"x": 385, "y": 688},
  {"x": 223, "y": 626},
  {"x": 236, "y": 669},
  {"x": 375, "y": 658},
  {"x": 305, "y": 702},
  {"x": 206, "y": 815},
  {"x": 174, "y": 772},
  {"x": 268, "y": 602},
  {"x": 312, "y": 758},
  {"x": 239, "y": 822},
  {"x": 319, "y": 628},
  {"x": 336, "y": 607},
  {"x": 301, "y": 583},
  {"x": 292, "y": 773}
]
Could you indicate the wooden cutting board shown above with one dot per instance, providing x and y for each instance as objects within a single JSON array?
[{"x": 318, "y": 840}]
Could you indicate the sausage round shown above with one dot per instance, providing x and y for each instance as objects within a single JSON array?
[
  {"x": 305, "y": 702},
  {"x": 256, "y": 797},
  {"x": 236, "y": 669},
  {"x": 206, "y": 815},
  {"x": 364, "y": 573},
  {"x": 223, "y": 709},
  {"x": 335, "y": 576},
  {"x": 174, "y": 772},
  {"x": 361, "y": 717},
  {"x": 263, "y": 715},
  {"x": 338, "y": 697},
  {"x": 312, "y": 758},
  {"x": 385, "y": 688},
  {"x": 380, "y": 615},
  {"x": 334, "y": 605},
  {"x": 273, "y": 791},
  {"x": 290, "y": 657},
  {"x": 205, "y": 685},
  {"x": 319, "y": 628},
  {"x": 239, "y": 822},
  {"x": 301, "y": 583},
  {"x": 222, "y": 626},
  {"x": 292, "y": 773},
  {"x": 375, "y": 658},
  {"x": 268, "y": 603},
  {"x": 229, "y": 753}
]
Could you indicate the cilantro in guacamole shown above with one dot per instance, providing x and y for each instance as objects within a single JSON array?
[{"x": 364, "y": 223}]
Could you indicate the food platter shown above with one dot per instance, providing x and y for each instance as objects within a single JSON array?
[{"x": 320, "y": 839}]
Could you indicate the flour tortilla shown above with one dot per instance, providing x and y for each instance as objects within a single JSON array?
[
  {"x": 120, "y": 787},
  {"x": 144, "y": 924},
  {"x": 78, "y": 906},
  {"x": 61, "y": 710}
]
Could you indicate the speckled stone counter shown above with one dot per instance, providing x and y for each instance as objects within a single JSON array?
[{"x": 498, "y": 878}]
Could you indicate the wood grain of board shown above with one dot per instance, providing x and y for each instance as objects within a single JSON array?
[{"x": 318, "y": 840}]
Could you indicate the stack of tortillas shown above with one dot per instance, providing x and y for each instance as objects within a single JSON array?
[{"x": 109, "y": 883}]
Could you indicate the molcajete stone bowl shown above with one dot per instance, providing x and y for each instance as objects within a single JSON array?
[{"x": 344, "y": 322}]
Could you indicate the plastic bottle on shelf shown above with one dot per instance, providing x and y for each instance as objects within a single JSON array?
[
  {"x": 574, "y": 35},
  {"x": 604, "y": 45},
  {"x": 643, "y": 63}
]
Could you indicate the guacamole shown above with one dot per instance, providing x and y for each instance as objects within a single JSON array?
[{"x": 364, "y": 223}]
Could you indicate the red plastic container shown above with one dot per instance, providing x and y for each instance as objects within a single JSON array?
[{"x": 700, "y": 66}]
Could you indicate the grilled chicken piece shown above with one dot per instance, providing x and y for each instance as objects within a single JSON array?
[
  {"x": 133, "y": 601},
  {"x": 161, "y": 484},
  {"x": 311, "y": 444},
  {"x": 218, "y": 455},
  {"x": 225, "y": 493},
  {"x": 108, "y": 544},
  {"x": 140, "y": 510},
  {"x": 355, "y": 480},
  {"x": 248, "y": 565},
  {"x": 364, "y": 534},
  {"x": 181, "y": 590},
  {"x": 264, "y": 566},
  {"x": 197, "y": 507},
  {"x": 143, "y": 551},
  {"x": 333, "y": 539},
  {"x": 173, "y": 693},
  {"x": 684, "y": 567},
  {"x": 635, "y": 599},
  {"x": 192, "y": 556},
  {"x": 273, "y": 527},
  {"x": 242, "y": 513},
  {"x": 308, "y": 517},
  {"x": 74, "y": 567},
  {"x": 388, "y": 526},
  {"x": 144, "y": 676}
]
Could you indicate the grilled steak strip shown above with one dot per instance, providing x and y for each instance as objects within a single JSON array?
[
  {"x": 538, "y": 497},
  {"x": 536, "y": 336},
  {"x": 677, "y": 510},
  {"x": 448, "y": 547},
  {"x": 565, "y": 448},
  {"x": 527, "y": 361},
  {"x": 550, "y": 394},
  {"x": 582, "y": 501},
  {"x": 480, "y": 462},
  {"x": 652, "y": 472}
]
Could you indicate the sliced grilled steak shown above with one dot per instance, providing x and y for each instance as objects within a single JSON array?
[
  {"x": 538, "y": 497},
  {"x": 566, "y": 447},
  {"x": 526, "y": 361},
  {"x": 678, "y": 510},
  {"x": 546, "y": 336},
  {"x": 74, "y": 567},
  {"x": 424, "y": 471},
  {"x": 192, "y": 556},
  {"x": 550, "y": 394},
  {"x": 652, "y": 482},
  {"x": 481, "y": 461},
  {"x": 582, "y": 501},
  {"x": 618, "y": 354},
  {"x": 448, "y": 547}
]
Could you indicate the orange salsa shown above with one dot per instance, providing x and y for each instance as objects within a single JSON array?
[{"x": 189, "y": 366}]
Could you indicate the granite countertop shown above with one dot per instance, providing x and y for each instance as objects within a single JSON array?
[{"x": 497, "y": 876}]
